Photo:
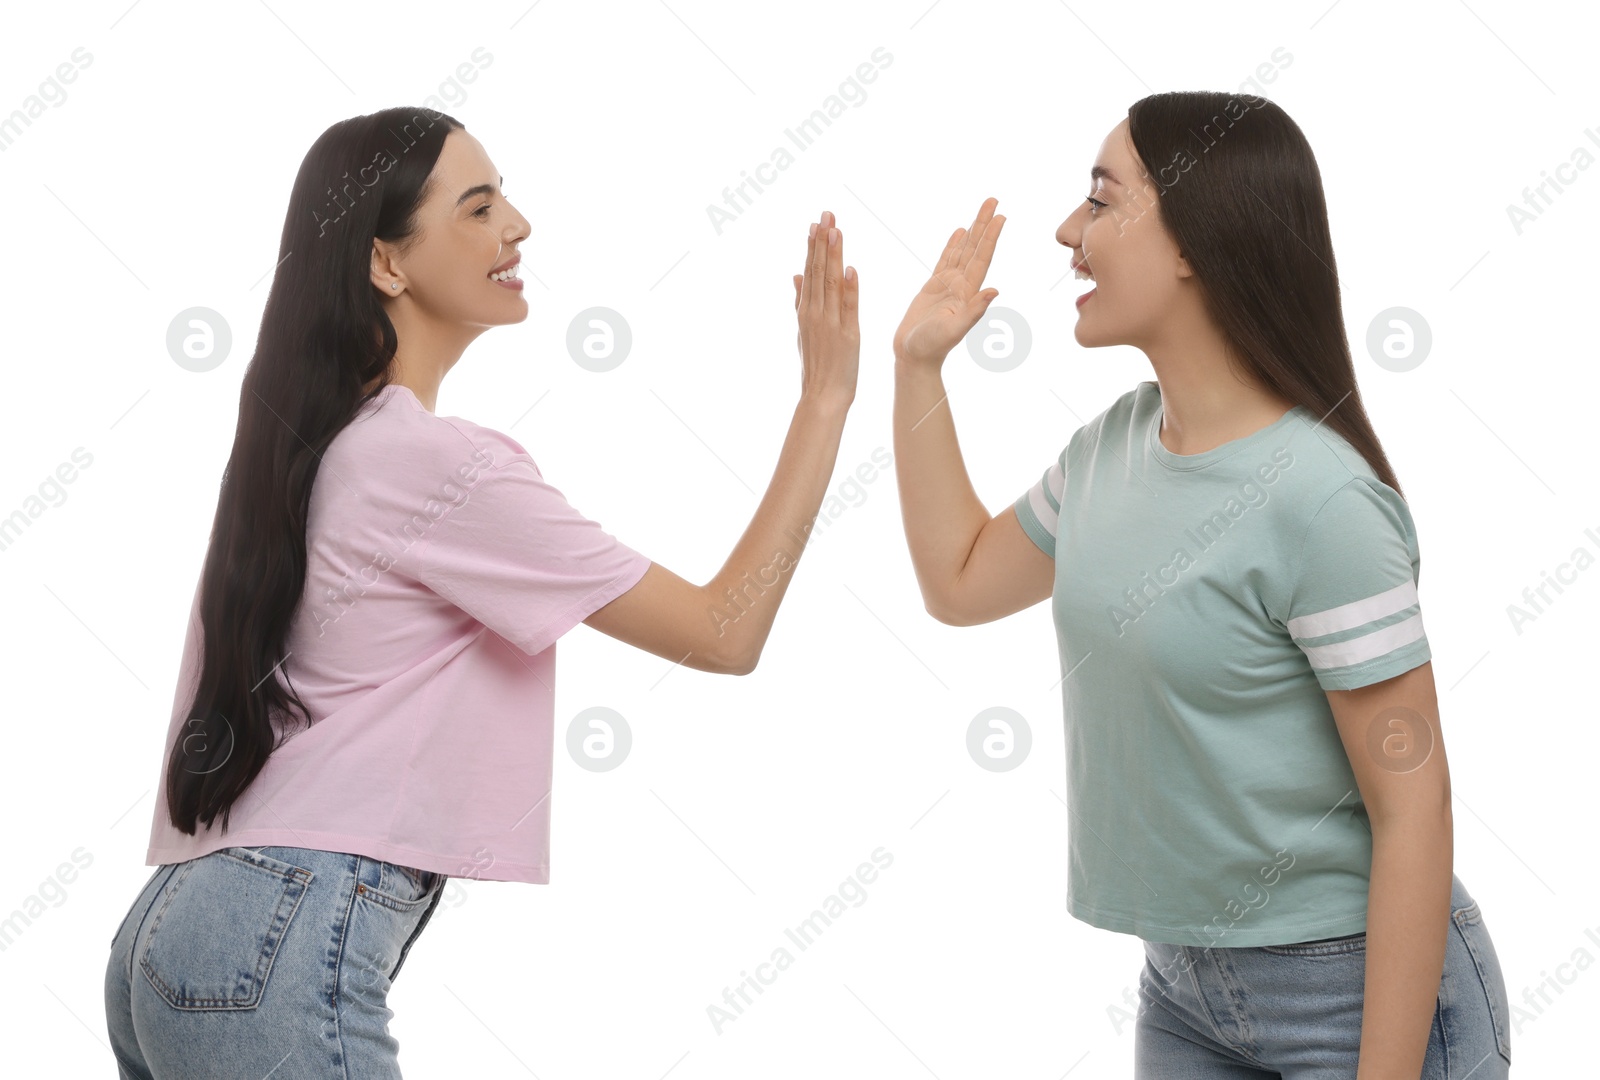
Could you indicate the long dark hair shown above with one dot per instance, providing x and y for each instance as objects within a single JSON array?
[
  {"x": 1242, "y": 196},
  {"x": 324, "y": 336}
]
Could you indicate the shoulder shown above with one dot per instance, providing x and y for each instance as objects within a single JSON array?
[
  {"x": 1123, "y": 415},
  {"x": 1360, "y": 512},
  {"x": 1332, "y": 481},
  {"x": 495, "y": 448},
  {"x": 1113, "y": 423},
  {"x": 397, "y": 436}
]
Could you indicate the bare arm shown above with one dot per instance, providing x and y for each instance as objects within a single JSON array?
[
  {"x": 722, "y": 626},
  {"x": 972, "y": 567},
  {"x": 1404, "y": 780}
]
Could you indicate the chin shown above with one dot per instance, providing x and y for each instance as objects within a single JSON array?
[
  {"x": 501, "y": 318},
  {"x": 1092, "y": 335}
]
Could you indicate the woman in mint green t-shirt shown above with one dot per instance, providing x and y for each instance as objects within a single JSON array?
[{"x": 1257, "y": 781}]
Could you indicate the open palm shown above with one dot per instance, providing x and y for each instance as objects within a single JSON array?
[{"x": 953, "y": 300}]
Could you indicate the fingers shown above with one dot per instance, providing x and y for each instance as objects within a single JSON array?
[
  {"x": 817, "y": 267},
  {"x": 979, "y": 264},
  {"x": 964, "y": 244},
  {"x": 970, "y": 243},
  {"x": 980, "y": 304},
  {"x": 952, "y": 248},
  {"x": 983, "y": 208},
  {"x": 835, "y": 275},
  {"x": 981, "y": 226},
  {"x": 805, "y": 277},
  {"x": 827, "y": 288}
]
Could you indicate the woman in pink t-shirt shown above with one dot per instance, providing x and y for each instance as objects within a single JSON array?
[{"x": 375, "y": 573}]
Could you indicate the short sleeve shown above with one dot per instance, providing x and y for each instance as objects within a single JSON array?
[
  {"x": 1039, "y": 508},
  {"x": 1354, "y": 609},
  {"x": 518, "y": 558}
]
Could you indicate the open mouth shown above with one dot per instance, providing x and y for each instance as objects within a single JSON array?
[
  {"x": 506, "y": 277},
  {"x": 1082, "y": 272}
]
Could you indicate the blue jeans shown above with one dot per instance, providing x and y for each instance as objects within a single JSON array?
[
  {"x": 250, "y": 961},
  {"x": 1294, "y": 1011}
]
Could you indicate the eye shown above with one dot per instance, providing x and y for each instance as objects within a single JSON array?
[
  {"x": 484, "y": 209},
  {"x": 1096, "y": 203}
]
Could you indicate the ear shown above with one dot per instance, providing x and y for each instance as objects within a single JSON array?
[
  {"x": 1184, "y": 269},
  {"x": 385, "y": 268}
]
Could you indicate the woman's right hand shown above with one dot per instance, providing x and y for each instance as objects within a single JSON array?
[
  {"x": 826, "y": 303},
  {"x": 719, "y": 626},
  {"x": 953, "y": 300}
]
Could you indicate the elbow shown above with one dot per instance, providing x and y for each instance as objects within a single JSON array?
[
  {"x": 734, "y": 663},
  {"x": 944, "y": 612},
  {"x": 1418, "y": 814}
]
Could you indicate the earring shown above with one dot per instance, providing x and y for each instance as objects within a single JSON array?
[{"x": 394, "y": 284}]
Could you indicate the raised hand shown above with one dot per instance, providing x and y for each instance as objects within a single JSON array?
[
  {"x": 827, "y": 306},
  {"x": 953, "y": 300}
]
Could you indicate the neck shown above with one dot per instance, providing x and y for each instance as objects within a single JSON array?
[
  {"x": 1208, "y": 396},
  {"x": 426, "y": 350}
]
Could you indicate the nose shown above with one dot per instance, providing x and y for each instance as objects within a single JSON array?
[
  {"x": 1070, "y": 232},
  {"x": 517, "y": 228}
]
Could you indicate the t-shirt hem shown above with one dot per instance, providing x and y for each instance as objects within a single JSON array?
[
  {"x": 1229, "y": 939},
  {"x": 446, "y": 865},
  {"x": 553, "y": 632},
  {"x": 1033, "y": 527},
  {"x": 1375, "y": 671}
]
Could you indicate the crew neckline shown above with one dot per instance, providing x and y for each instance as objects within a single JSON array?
[
  {"x": 388, "y": 392},
  {"x": 1185, "y": 462},
  {"x": 385, "y": 391}
]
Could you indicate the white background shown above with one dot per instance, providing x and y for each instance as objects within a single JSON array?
[{"x": 159, "y": 184}]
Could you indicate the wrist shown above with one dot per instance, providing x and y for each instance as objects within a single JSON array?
[
  {"x": 825, "y": 405},
  {"x": 909, "y": 370}
]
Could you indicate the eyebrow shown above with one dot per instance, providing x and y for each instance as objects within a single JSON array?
[
  {"x": 481, "y": 189},
  {"x": 1098, "y": 171}
]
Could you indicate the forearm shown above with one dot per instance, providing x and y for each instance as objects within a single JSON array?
[
  {"x": 941, "y": 512},
  {"x": 745, "y": 594},
  {"x": 1408, "y": 921}
]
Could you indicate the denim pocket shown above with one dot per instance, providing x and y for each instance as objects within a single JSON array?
[
  {"x": 1468, "y": 922},
  {"x": 213, "y": 939},
  {"x": 1332, "y": 947},
  {"x": 391, "y": 917},
  {"x": 400, "y": 888}
]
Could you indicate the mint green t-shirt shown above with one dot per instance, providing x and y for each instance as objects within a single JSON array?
[{"x": 1203, "y": 604}]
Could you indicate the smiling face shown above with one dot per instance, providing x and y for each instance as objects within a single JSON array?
[
  {"x": 466, "y": 230},
  {"x": 1116, "y": 235}
]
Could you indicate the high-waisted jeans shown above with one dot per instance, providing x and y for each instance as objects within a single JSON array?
[
  {"x": 250, "y": 961},
  {"x": 1294, "y": 1011}
]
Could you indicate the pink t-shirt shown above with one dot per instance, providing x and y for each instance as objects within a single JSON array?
[{"x": 441, "y": 569}]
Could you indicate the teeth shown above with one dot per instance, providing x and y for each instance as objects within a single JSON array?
[
  {"x": 1083, "y": 275},
  {"x": 506, "y": 275}
]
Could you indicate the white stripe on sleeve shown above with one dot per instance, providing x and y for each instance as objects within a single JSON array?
[
  {"x": 1354, "y": 614},
  {"x": 1045, "y": 497},
  {"x": 1366, "y": 647}
]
